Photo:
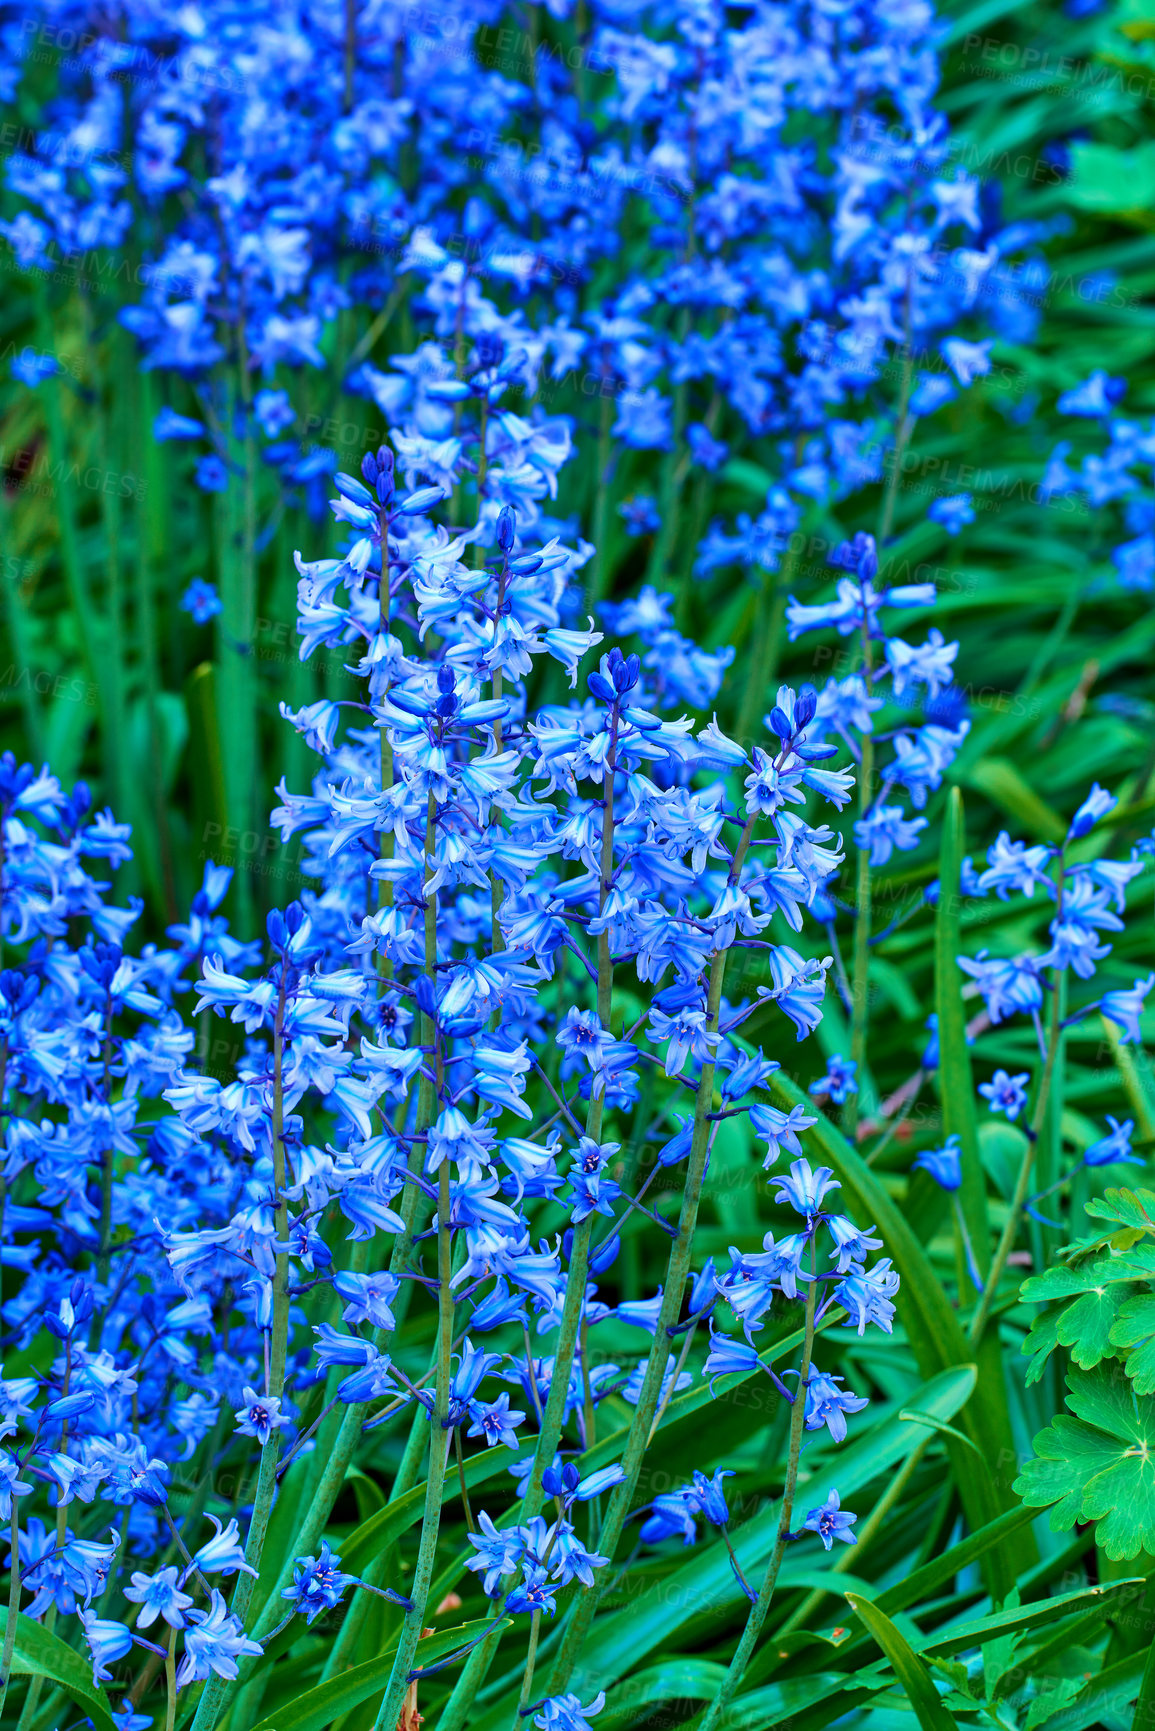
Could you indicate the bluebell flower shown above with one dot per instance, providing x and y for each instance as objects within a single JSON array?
[
  {"x": 839, "y": 1081},
  {"x": 944, "y": 1164},
  {"x": 169, "y": 425},
  {"x": 831, "y": 1522},
  {"x": 566, "y": 1713},
  {"x": 211, "y": 475},
  {"x": 259, "y": 1416},
  {"x": 953, "y": 513},
  {"x": 1114, "y": 1147},
  {"x": 779, "y": 1129},
  {"x": 1095, "y": 397},
  {"x": 885, "y": 829},
  {"x": 213, "y": 1641},
  {"x": 495, "y": 1421},
  {"x": 640, "y": 515},
  {"x": 158, "y": 1595},
  {"x": 32, "y": 369},
  {"x": 1006, "y": 1093},
  {"x": 867, "y": 1296},
  {"x": 931, "y": 392},
  {"x": 318, "y": 1583},
  {"x": 966, "y": 360},
  {"x": 534, "y": 1592},
  {"x": 1125, "y": 1006},
  {"x": 201, "y": 600},
  {"x": 806, "y": 1188},
  {"x": 728, "y": 1355},
  {"x": 828, "y": 1404},
  {"x": 498, "y": 1552},
  {"x": 107, "y": 1641},
  {"x": 709, "y": 453},
  {"x": 1096, "y": 805}
]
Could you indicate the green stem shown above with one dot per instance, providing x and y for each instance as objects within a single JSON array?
[
  {"x": 737, "y": 1667},
  {"x": 530, "y": 1661},
  {"x": 209, "y": 1706},
  {"x": 439, "y": 1443},
  {"x": 170, "y": 1682},
  {"x": 677, "y": 1273},
  {"x": 860, "y": 1020},
  {"x": 573, "y": 1308},
  {"x": 866, "y": 1534},
  {"x": 1023, "y": 1181}
]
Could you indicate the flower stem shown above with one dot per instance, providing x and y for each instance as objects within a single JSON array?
[
  {"x": 754, "y": 1622},
  {"x": 1023, "y": 1182},
  {"x": 439, "y": 1444},
  {"x": 677, "y": 1272},
  {"x": 530, "y": 1661},
  {"x": 209, "y": 1706}
]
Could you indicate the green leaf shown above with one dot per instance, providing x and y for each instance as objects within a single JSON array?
[
  {"x": 916, "y": 1680},
  {"x": 1128, "y": 1208},
  {"x": 934, "y": 1333},
  {"x": 1108, "y": 1693},
  {"x": 923, "y": 1582},
  {"x": 1005, "y": 786},
  {"x": 1134, "y": 1328},
  {"x": 1056, "y": 1693},
  {"x": 706, "y": 1582},
  {"x": 780, "y": 1703},
  {"x": 1098, "y": 1465},
  {"x": 385, "y": 1527},
  {"x": 1110, "y": 181},
  {"x": 1016, "y": 1619},
  {"x": 40, "y": 1653},
  {"x": 318, "y": 1707}
]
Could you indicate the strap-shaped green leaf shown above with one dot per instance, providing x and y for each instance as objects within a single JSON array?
[
  {"x": 909, "y": 1669},
  {"x": 318, "y": 1707},
  {"x": 934, "y": 1333},
  {"x": 40, "y": 1653}
]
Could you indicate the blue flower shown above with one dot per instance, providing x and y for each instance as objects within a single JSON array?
[
  {"x": 831, "y": 1522},
  {"x": 1125, "y": 1006},
  {"x": 944, "y": 1164},
  {"x": 566, "y": 1713},
  {"x": 495, "y": 1422},
  {"x": 640, "y": 515},
  {"x": 201, "y": 600},
  {"x": 211, "y": 474},
  {"x": 318, "y": 1583},
  {"x": 214, "y": 1641},
  {"x": 32, "y": 369},
  {"x": 1096, "y": 805},
  {"x": 828, "y": 1404},
  {"x": 158, "y": 1595},
  {"x": 953, "y": 512},
  {"x": 533, "y": 1593},
  {"x": 259, "y": 1416},
  {"x": 839, "y": 1081},
  {"x": 169, "y": 425},
  {"x": 1006, "y": 1093},
  {"x": 1114, "y": 1147},
  {"x": 1094, "y": 398}
]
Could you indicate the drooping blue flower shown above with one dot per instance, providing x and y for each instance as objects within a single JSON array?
[
  {"x": 944, "y": 1164},
  {"x": 831, "y": 1522}
]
